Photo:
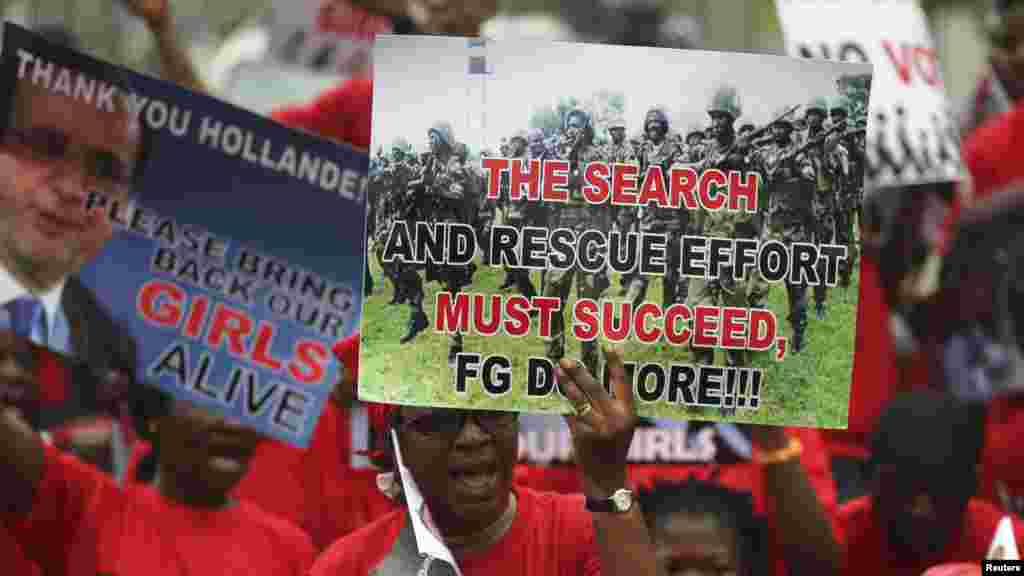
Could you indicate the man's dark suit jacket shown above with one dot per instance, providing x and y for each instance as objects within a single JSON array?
[{"x": 100, "y": 346}]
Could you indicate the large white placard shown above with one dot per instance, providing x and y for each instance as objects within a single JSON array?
[{"x": 911, "y": 130}]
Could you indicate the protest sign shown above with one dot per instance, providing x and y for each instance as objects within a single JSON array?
[
  {"x": 506, "y": 221},
  {"x": 326, "y": 36},
  {"x": 177, "y": 239},
  {"x": 913, "y": 136}
]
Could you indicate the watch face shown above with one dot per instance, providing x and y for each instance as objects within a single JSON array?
[{"x": 623, "y": 500}]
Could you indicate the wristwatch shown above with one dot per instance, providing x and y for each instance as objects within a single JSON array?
[{"x": 620, "y": 502}]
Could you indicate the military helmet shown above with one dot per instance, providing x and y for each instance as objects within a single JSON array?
[
  {"x": 444, "y": 131},
  {"x": 535, "y": 137},
  {"x": 656, "y": 115},
  {"x": 819, "y": 105},
  {"x": 726, "y": 103},
  {"x": 578, "y": 113},
  {"x": 694, "y": 130},
  {"x": 839, "y": 105},
  {"x": 616, "y": 122},
  {"x": 747, "y": 127},
  {"x": 519, "y": 135},
  {"x": 461, "y": 151}
]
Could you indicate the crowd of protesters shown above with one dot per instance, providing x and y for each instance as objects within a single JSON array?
[{"x": 920, "y": 478}]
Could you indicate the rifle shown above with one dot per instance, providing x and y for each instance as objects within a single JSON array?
[
  {"x": 816, "y": 141},
  {"x": 746, "y": 140}
]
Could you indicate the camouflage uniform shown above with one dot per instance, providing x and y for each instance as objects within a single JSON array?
[
  {"x": 693, "y": 149},
  {"x": 517, "y": 215},
  {"x": 723, "y": 153},
  {"x": 789, "y": 182},
  {"x": 445, "y": 192},
  {"x": 821, "y": 156},
  {"x": 621, "y": 151},
  {"x": 486, "y": 214},
  {"x": 537, "y": 214},
  {"x": 576, "y": 146},
  {"x": 391, "y": 205},
  {"x": 851, "y": 181},
  {"x": 672, "y": 223}
]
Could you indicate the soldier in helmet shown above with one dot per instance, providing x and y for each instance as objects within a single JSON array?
[
  {"x": 517, "y": 215},
  {"x": 724, "y": 151},
  {"x": 847, "y": 184},
  {"x": 536, "y": 214},
  {"x": 387, "y": 189},
  {"x": 486, "y": 215},
  {"x": 659, "y": 150},
  {"x": 788, "y": 180},
  {"x": 445, "y": 194},
  {"x": 825, "y": 197},
  {"x": 576, "y": 145},
  {"x": 746, "y": 129},
  {"x": 619, "y": 151}
]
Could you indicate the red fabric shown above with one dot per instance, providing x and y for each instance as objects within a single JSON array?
[
  {"x": 14, "y": 559},
  {"x": 341, "y": 113},
  {"x": 746, "y": 477},
  {"x": 82, "y": 523},
  {"x": 53, "y": 377},
  {"x": 552, "y": 535},
  {"x": 866, "y": 553},
  {"x": 317, "y": 489},
  {"x": 347, "y": 352}
]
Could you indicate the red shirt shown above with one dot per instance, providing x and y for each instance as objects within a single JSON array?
[
  {"x": 14, "y": 558},
  {"x": 315, "y": 489},
  {"x": 341, "y": 113},
  {"x": 82, "y": 523},
  {"x": 744, "y": 476},
  {"x": 865, "y": 547},
  {"x": 552, "y": 535}
]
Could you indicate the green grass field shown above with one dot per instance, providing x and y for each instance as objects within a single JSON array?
[{"x": 810, "y": 389}]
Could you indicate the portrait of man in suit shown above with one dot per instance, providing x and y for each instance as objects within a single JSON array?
[{"x": 55, "y": 150}]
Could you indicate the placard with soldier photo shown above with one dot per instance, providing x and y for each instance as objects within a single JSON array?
[{"x": 528, "y": 205}]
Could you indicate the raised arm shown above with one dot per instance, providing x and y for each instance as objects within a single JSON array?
[
  {"x": 802, "y": 523},
  {"x": 177, "y": 67},
  {"x": 602, "y": 431}
]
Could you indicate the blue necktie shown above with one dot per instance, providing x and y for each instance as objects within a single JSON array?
[{"x": 24, "y": 313}]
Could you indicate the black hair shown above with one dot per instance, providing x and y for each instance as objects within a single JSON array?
[
  {"x": 929, "y": 432},
  {"x": 733, "y": 509}
]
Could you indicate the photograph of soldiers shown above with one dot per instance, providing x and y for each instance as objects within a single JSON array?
[{"x": 810, "y": 184}]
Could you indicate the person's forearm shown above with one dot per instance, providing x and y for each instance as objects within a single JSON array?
[
  {"x": 803, "y": 527},
  {"x": 177, "y": 67},
  {"x": 624, "y": 544}
]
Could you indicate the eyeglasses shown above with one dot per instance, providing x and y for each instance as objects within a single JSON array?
[
  {"x": 445, "y": 422},
  {"x": 53, "y": 145}
]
